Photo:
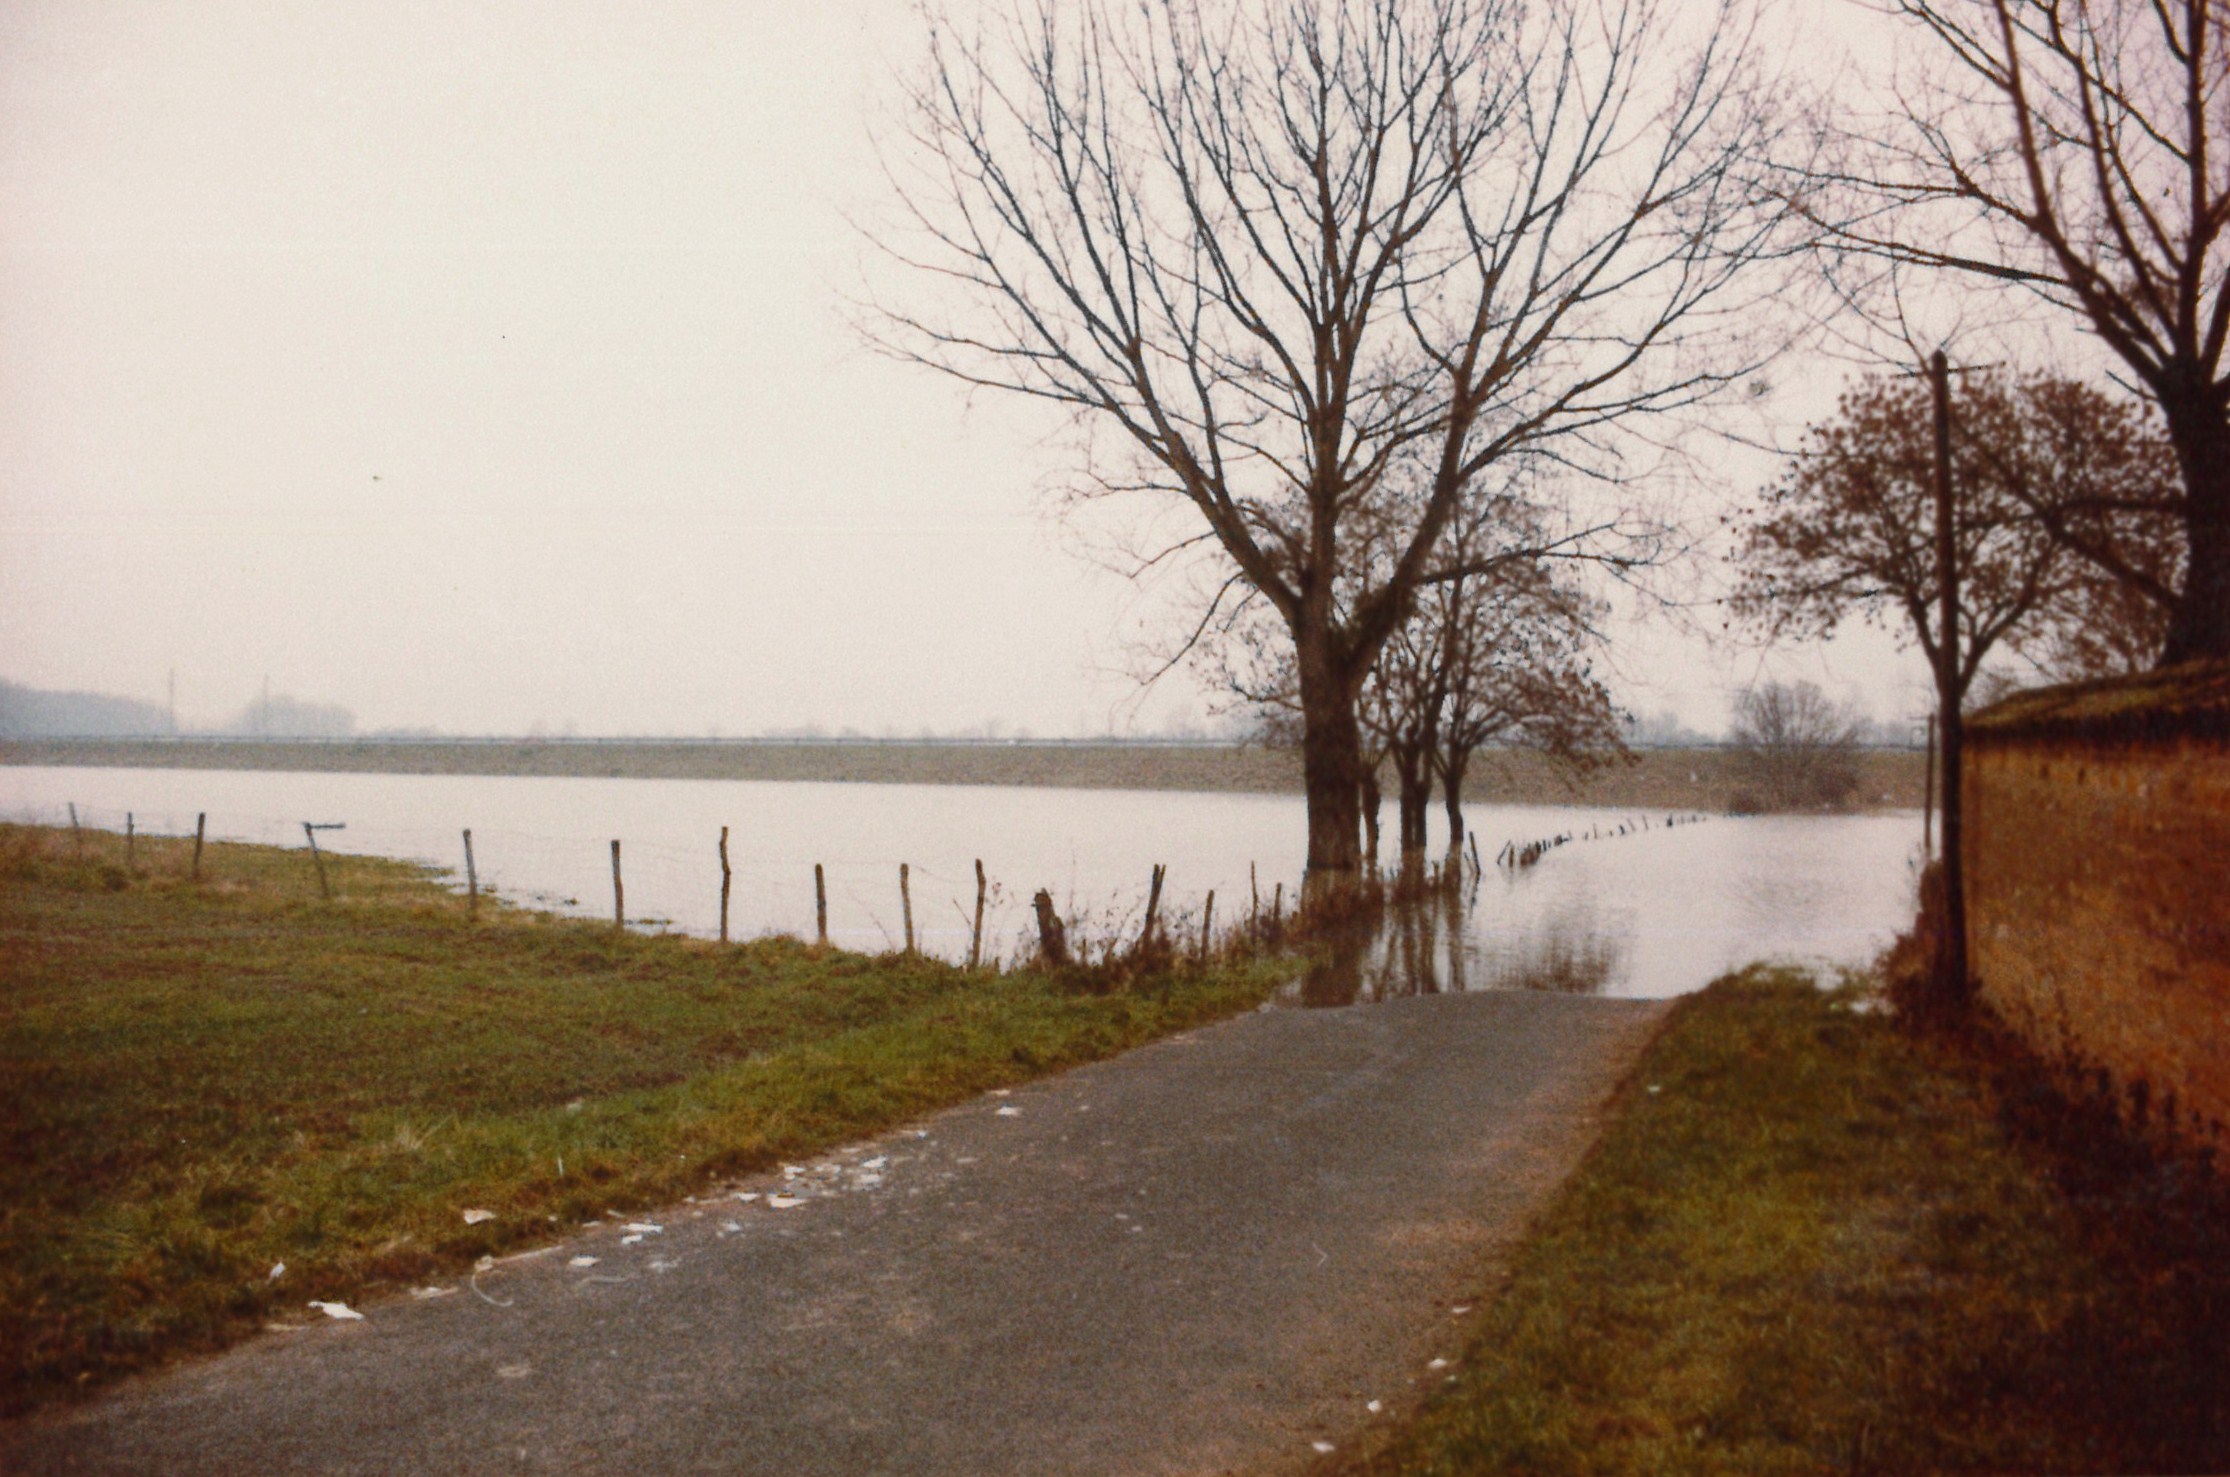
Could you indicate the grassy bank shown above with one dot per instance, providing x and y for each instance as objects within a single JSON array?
[
  {"x": 199, "y": 1081},
  {"x": 1658, "y": 779},
  {"x": 1808, "y": 1243}
]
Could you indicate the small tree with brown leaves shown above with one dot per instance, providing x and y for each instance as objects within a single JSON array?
[{"x": 1848, "y": 529}]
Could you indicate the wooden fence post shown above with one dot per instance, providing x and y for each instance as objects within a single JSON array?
[
  {"x": 77, "y": 833},
  {"x": 201, "y": 825},
  {"x": 131, "y": 848},
  {"x": 318, "y": 861},
  {"x": 1254, "y": 905},
  {"x": 821, "y": 903},
  {"x": 619, "y": 893},
  {"x": 906, "y": 905},
  {"x": 727, "y": 880},
  {"x": 1153, "y": 905},
  {"x": 975, "y": 938},
  {"x": 1207, "y": 925},
  {"x": 472, "y": 876},
  {"x": 1277, "y": 908},
  {"x": 1053, "y": 940}
]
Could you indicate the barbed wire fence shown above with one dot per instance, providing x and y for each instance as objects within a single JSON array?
[{"x": 662, "y": 887}]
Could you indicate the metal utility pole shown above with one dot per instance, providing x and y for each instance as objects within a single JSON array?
[{"x": 1952, "y": 964}]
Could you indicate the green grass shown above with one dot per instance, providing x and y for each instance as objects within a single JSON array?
[
  {"x": 201, "y": 1080},
  {"x": 1807, "y": 1244}
]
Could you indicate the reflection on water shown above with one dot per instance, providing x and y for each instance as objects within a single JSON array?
[
  {"x": 1425, "y": 946},
  {"x": 1637, "y": 910},
  {"x": 1628, "y": 906}
]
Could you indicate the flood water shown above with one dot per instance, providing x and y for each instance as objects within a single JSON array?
[{"x": 1655, "y": 912}]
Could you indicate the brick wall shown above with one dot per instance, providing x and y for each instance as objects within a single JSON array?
[{"x": 2098, "y": 886}]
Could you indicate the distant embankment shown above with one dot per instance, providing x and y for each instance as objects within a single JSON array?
[{"x": 1659, "y": 779}]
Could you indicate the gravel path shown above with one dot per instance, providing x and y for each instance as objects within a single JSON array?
[{"x": 1208, "y": 1255}]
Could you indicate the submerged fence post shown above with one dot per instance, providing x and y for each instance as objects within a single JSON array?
[
  {"x": 201, "y": 825},
  {"x": 619, "y": 893},
  {"x": 975, "y": 937},
  {"x": 727, "y": 880},
  {"x": 472, "y": 876},
  {"x": 820, "y": 903},
  {"x": 906, "y": 905}
]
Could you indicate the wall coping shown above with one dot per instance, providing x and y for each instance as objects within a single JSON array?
[{"x": 2177, "y": 703}]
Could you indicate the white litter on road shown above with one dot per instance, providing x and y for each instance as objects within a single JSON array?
[
  {"x": 1375, "y": 1406},
  {"x": 1437, "y": 1364},
  {"x": 785, "y": 1202},
  {"x": 1009, "y": 1113},
  {"x": 514, "y": 1371},
  {"x": 875, "y": 1163},
  {"x": 582, "y": 1261},
  {"x": 629, "y": 1240},
  {"x": 643, "y": 1228},
  {"x": 475, "y": 1217},
  {"x": 747, "y": 1196},
  {"x": 423, "y": 1293},
  {"x": 729, "y": 1228},
  {"x": 1323, "y": 1447},
  {"x": 341, "y": 1311}
]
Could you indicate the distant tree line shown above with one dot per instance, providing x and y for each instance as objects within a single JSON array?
[{"x": 29, "y": 712}]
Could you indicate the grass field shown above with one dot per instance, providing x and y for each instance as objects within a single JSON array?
[
  {"x": 202, "y": 1080},
  {"x": 1658, "y": 779},
  {"x": 1809, "y": 1243}
]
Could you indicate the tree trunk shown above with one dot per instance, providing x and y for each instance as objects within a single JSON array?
[
  {"x": 1331, "y": 763},
  {"x": 2199, "y": 628},
  {"x": 1952, "y": 975},
  {"x": 1452, "y": 766}
]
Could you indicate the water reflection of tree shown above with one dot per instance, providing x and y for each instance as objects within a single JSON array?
[
  {"x": 1425, "y": 946},
  {"x": 1571, "y": 957}
]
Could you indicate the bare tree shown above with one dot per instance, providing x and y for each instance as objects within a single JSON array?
[
  {"x": 1794, "y": 749},
  {"x": 1847, "y": 530},
  {"x": 1265, "y": 249},
  {"x": 1499, "y": 658},
  {"x": 2080, "y": 149}
]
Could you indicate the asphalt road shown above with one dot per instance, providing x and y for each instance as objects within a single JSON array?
[{"x": 1208, "y": 1255}]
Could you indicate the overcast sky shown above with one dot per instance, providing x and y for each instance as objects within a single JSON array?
[{"x": 485, "y": 367}]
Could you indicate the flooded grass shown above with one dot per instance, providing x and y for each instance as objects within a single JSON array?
[
  {"x": 1810, "y": 1243},
  {"x": 200, "y": 1081}
]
